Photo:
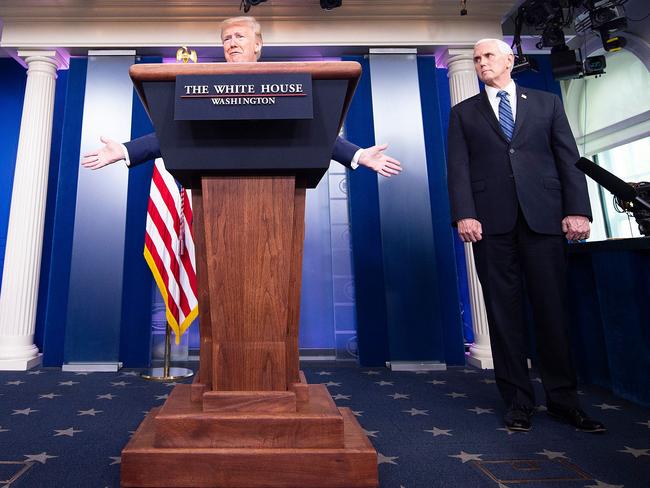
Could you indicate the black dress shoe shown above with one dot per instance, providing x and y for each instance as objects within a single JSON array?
[
  {"x": 517, "y": 418},
  {"x": 576, "y": 417}
]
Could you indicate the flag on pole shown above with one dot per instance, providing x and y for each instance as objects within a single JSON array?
[{"x": 169, "y": 248}]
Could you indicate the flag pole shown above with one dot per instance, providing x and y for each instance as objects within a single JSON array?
[{"x": 167, "y": 373}]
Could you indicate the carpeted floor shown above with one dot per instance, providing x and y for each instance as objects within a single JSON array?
[{"x": 439, "y": 429}]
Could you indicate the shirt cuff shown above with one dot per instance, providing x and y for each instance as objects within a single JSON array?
[
  {"x": 354, "y": 164},
  {"x": 125, "y": 152}
]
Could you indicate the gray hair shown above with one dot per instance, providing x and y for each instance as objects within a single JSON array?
[
  {"x": 245, "y": 19},
  {"x": 503, "y": 47}
]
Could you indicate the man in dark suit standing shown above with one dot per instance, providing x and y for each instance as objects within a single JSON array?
[
  {"x": 517, "y": 196},
  {"x": 242, "y": 43}
]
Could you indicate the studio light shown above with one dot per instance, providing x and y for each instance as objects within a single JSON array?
[
  {"x": 330, "y": 4},
  {"x": 247, "y": 4}
]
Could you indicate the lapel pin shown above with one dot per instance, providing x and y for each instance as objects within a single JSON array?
[{"x": 523, "y": 95}]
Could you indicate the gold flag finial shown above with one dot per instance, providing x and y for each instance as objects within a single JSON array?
[{"x": 185, "y": 55}]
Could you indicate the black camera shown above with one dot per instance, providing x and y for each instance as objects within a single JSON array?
[{"x": 640, "y": 213}]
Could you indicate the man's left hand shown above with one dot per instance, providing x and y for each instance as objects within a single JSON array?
[
  {"x": 375, "y": 159},
  {"x": 575, "y": 227}
]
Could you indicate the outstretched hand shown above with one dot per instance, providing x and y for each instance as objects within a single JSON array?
[
  {"x": 109, "y": 153},
  {"x": 375, "y": 159}
]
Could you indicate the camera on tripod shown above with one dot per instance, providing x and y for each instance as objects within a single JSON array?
[{"x": 640, "y": 213}]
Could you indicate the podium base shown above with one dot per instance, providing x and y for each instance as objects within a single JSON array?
[{"x": 144, "y": 464}]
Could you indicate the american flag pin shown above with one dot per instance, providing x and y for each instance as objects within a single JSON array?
[{"x": 523, "y": 95}]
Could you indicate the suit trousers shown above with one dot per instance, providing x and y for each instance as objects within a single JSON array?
[{"x": 506, "y": 265}]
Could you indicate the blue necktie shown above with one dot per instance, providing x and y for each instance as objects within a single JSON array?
[{"x": 506, "y": 121}]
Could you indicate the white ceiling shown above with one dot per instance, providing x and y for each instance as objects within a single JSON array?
[{"x": 92, "y": 10}]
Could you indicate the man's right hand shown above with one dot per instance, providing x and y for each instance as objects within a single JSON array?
[
  {"x": 470, "y": 230},
  {"x": 109, "y": 153}
]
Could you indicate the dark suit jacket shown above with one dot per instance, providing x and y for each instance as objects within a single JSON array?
[
  {"x": 489, "y": 177},
  {"x": 147, "y": 147}
]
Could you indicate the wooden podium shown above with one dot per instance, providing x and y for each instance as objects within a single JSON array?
[{"x": 249, "y": 419}]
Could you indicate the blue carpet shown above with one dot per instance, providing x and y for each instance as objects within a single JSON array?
[{"x": 439, "y": 429}]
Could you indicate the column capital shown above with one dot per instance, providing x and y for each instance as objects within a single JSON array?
[
  {"x": 447, "y": 57},
  {"x": 58, "y": 57}
]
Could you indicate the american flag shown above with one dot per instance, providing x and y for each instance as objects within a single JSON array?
[{"x": 169, "y": 248}]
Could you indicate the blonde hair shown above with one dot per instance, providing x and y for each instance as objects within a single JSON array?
[
  {"x": 504, "y": 48},
  {"x": 245, "y": 19}
]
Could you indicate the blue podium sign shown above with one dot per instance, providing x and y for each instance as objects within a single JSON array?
[{"x": 283, "y": 96}]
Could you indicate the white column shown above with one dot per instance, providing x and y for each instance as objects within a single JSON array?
[
  {"x": 463, "y": 84},
  {"x": 20, "y": 278}
]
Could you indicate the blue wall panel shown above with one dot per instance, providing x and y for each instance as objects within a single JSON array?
[
  {"x": 372, "y": 327},
  {"x": 12, "y": 93},
  {"x": 135, "y": 334},
  {"x": 60, "y": 101},
  {"x": 435, "y": 113},
  {"x": 52, "y": 328}
]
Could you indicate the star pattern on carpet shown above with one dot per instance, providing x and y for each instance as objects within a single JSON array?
[
  {"x": 324, "y": 373},
  {"x": 437, "y": 382},
  {"x": 455, "y": 395},
  {"x": 68, "y": 383},
  {"x": 436, "y": 431},
  {"x": 91, "y": 412},
  {"x": 468, "y": 371},
  {"x": 14, "y": 383},
  {"x": 37, "y": 372},
  {"x": 465, "y": 456},
  {"x": 552, "y": 454},
  {"x": 399, "y": 396},
  {"x": 130, "y": 373},
  {"x": 340, "y": 396},
  {"x": 82, "y": 373},
  {"x": 601, "y": 484},
  {"x": 50, "y": 396},
  {"x": 415, "y": 411},
  {"x": 162, "y": 397},
  {"x": 488, "y": 381},
  {"x": 41, "y": 458},
  {"x": 384, "y": 383},
  {"x": 397, "y": 438},
  {"x": 605, "y": 406},
  {"x": 70, "y": 432},
  {"x": 24, "y": 411},
  {"x": 636, "y": 452},
  {"x": 541, "y": 408},
  {"x": 480, "y": 411},
  {"x": 381, "y": 459},
  {"x": 119, "y": 383},
  {"x": 172, "y": 383}
]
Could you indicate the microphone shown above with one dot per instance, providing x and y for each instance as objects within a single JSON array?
[{"x": 607, "y": 180}]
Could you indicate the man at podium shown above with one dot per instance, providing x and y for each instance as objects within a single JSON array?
[{"x": 242, "y": 43}]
